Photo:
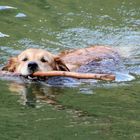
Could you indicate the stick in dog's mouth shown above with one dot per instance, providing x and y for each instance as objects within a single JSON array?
[
  {"x": 106, "y": 77},
  {"x": 34, "y": 76}
]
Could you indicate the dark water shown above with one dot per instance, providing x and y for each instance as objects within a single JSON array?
[{"x": 77, "y": 109}]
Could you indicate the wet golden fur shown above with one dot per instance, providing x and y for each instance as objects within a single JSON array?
[{"x": 65, "y": 61}]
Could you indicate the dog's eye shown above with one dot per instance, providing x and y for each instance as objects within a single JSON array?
[
  {"x": 25, "y": 59},
  {"x": 43, "y": 60}
]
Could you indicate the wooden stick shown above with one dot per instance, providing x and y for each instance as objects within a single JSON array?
[{"x": 107, "y": 77}]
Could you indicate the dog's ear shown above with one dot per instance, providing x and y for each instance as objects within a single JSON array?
[
  {"x": 60, "y": 65},
  {"x": 11, "y": 64}
]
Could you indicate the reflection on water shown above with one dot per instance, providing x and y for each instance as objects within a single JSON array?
[
  {"x": 34, "y": 93},
  {"x": 38, "y": 93},
  {"x": 31, "y": 92}
]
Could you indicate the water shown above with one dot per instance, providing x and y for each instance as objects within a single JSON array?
[{"x": 79, "y": 109}]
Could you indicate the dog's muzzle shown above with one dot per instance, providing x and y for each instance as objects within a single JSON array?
[{"x": 32, "y": 67}]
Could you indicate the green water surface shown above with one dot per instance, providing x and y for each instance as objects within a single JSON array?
[{"x": 85, "y": 111}]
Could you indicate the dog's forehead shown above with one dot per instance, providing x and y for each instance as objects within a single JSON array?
[{"x": 35, "y": 53}]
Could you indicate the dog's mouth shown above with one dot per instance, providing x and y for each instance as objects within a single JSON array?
[
  {"x": 34, "y": 78},
  {"x": 32, "y": 67},
  {"x": 31, "y": 70},
  {"x": 30, "y": 77}
]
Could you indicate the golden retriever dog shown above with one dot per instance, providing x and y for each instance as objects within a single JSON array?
[{"x": 32, "y": 60}]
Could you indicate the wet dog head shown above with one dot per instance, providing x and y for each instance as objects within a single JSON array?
[{"x": 32, "y": 60}]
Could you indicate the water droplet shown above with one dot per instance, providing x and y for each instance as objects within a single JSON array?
[{"x": 20, "y": 15}]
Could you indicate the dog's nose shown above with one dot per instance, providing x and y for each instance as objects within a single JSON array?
[{"x": 33, "y": 66}]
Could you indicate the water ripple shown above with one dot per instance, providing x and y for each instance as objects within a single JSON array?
[
  {"x": 3, "y": 35},
  {"x": 7, "y": 7}
]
